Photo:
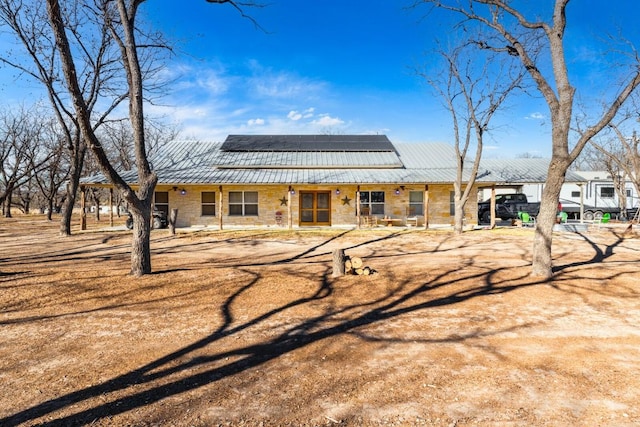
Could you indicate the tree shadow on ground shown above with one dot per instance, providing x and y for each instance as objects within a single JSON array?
[
  {"x": 173, "y": 373},
  {"x": 599, "y": 255}
]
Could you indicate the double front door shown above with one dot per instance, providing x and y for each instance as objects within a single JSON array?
[{"x": 315, "y": 208}]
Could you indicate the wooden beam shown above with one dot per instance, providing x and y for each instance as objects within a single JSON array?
[
  {"x": 83, "y": 203},
  {"x": 111, "y": 207},
  {"x": 426, "y": 206},
  {"x": 358, "y": 207},
  {"x": 289, "y": 210},
  {"x": 221, "y": 208},
  {"x": 492, "y": 225}
]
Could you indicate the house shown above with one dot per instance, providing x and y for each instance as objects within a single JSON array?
[{"x": 314, "y": 180}]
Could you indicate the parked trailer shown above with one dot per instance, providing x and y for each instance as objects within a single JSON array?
[{"x": 591, "y": 213}]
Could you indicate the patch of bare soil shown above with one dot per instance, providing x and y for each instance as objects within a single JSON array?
[{"x": 249, "y": 328}]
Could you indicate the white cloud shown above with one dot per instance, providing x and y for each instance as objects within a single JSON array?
[
  {"x": 308, "y": 113},
  {"x": 535, "y": 116},
  {"x": 198, "y": 82},
  {"x": 297, "y": 115},
  {"x": 256, "y": 122},
  {"x": 327, "y": 120},
  {"x": 268, "y": 83},
  {"x": 294, "y": 115},
  {"x": 284, "y": 86},
  {"x": 210, "y": 103},
  {"x": 213, "y": 83}
]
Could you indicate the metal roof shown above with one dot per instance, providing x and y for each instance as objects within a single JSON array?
[
  {"x": 307, "y": 143},
  {"x": 205, "y": 162},
  {"x": 427, "y": 155},
  {"x": 522, "y": 171}
]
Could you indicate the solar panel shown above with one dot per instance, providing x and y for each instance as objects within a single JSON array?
[{"x": 307, "y": 143}]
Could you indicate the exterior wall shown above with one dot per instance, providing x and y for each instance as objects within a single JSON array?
[{"x": 343, "y": 205}]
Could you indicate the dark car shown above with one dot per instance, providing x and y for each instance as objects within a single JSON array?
[
  {"x": 159, "y": 220},
  {"x": 507, "y": 207}
]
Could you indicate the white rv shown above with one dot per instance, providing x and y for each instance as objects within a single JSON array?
[{"x": 598, "y": 195}]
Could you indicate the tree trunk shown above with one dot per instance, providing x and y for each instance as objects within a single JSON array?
[
  {"x": 77, "y": 156},
  {"x": 141, "y": 242},
  {"x": 8, "y": 201},
  {"x": 50, "y": 209},
  {"x": 546, "y": 219},
  {"x": 458, "y": 218},
  {"x": 338, "y": 262},
  {"x": 96, "y": 199},
  {"x": 67, "y": 212}
]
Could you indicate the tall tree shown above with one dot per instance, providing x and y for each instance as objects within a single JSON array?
[
  {"x": 473, "y": 89},
  {"x": 524, "y": 37},
  {"x": 119, "y": 18}
]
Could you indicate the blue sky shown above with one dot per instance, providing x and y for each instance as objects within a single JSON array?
[
  {"x": 344, "y": 67},
  {"x": 341, "y": 66}
]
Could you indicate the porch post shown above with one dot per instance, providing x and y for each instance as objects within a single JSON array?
[
  {"x": 289, "y": 219},
  {"x": 581, "y": 203},
  {"x": 426, "y": 206},
  {"x": 358, "y": 207},
  {"x": 83, "y": 213},
  {"x": 220, "y": 209},
  {"x": 492, "y": 225},
  {"x": 111, "y": 207}
]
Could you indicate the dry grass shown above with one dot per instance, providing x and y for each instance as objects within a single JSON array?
[{"x": 249, "y": 328}]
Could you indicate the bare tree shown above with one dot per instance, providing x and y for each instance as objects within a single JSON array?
[
  {"x": 596, "y": 159},
  {"x": 55, "y": 172},
  {"x": 20, "y": 157},
  {"x": 523, "y": 38},
  {"x": 98, "y": 72},
  {"x": 118, "y": 17},
  {"x": 117, "y": 137},
  {"x": 473, "y": 89},
  {"x": 621, "y": 156}
]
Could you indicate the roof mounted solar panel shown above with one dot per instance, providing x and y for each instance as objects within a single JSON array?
[{"x": 307, "y": 143}]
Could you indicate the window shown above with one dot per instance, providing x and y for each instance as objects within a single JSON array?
[
  {"x": 161, "y": 201},
  {"x": 575, "y": 194},
  {"x": 452, "y": 202},
  {"x": 208, "y": 203},
  {"x": 243, "y": 203},
  {"x": 372, "y": 202},
  {"x": 416, "y": 202},
  {"x": 607, "y": 192}
]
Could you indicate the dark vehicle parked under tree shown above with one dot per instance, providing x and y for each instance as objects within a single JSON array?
[
  {"x": 507, "y": 207},
  {"x": 159, "y": 220}
]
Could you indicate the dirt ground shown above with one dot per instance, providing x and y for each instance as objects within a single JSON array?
[{"x": 249, "y": 328}]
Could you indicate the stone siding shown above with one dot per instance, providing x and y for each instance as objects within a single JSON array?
[{"x": 272, "y": 199}]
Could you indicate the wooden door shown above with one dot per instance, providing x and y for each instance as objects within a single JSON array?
[{"x": 315, "y": 208}]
